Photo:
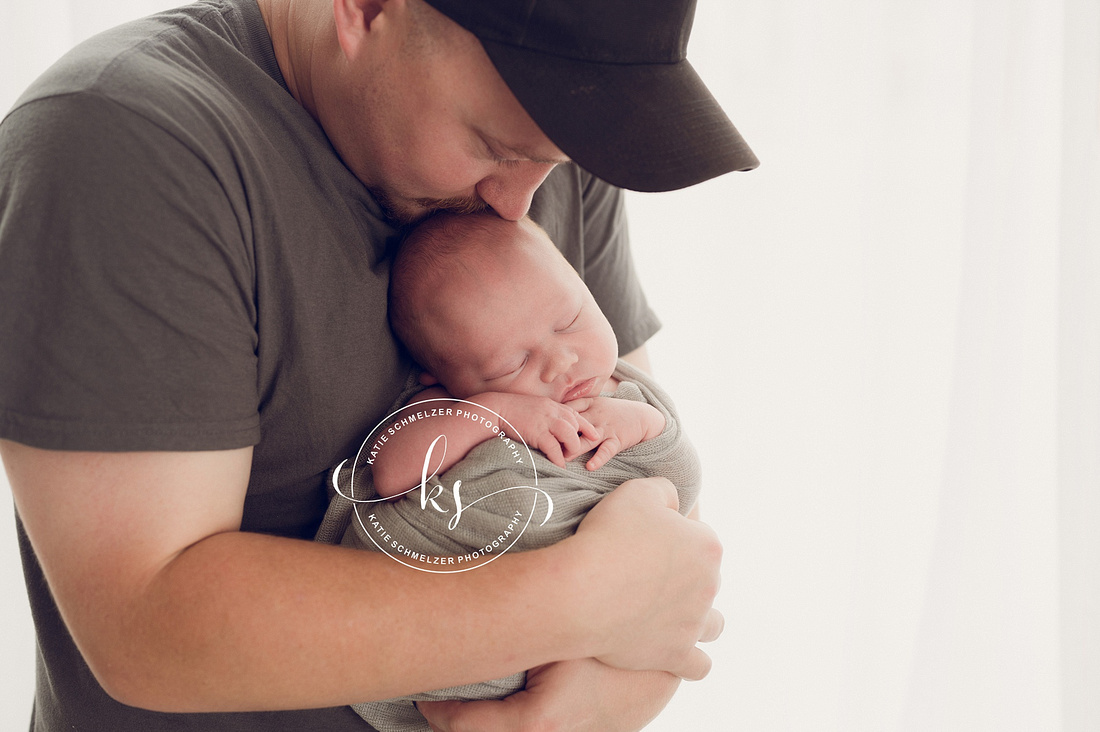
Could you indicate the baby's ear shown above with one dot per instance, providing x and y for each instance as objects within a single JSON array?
[{"x": 427, "y": 379}]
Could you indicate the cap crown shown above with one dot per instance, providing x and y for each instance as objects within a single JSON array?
[{"x": 601, "y": 31}]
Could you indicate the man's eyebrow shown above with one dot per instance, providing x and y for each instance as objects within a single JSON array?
[
  {"x": 525, "y": 154},
  {"x": 546, "y": 161}
]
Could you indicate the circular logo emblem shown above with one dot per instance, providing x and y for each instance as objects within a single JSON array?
[{"x": 422, "y": 526}]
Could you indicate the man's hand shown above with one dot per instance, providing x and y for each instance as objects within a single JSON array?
[
  {"x": 581, "y": 696},
  {"x": 660, "y": 573}
]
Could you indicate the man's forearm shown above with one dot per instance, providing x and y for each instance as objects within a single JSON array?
[
  {"x": 174, "y": 609},
  {"x": 245, "y": 621}
]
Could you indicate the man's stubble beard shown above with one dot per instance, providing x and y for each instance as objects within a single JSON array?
[{"x": 406, "y": 212}]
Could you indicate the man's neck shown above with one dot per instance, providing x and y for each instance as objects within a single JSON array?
[{"x": 293, "y": 26}]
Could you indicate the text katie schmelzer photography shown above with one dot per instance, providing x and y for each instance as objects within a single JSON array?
[{"x": 382, "y": 518}]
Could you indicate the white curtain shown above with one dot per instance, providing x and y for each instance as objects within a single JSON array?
[{"x": 886, "y": 343}]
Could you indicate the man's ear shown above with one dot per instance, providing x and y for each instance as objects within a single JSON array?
[
  {"x": 427, "y": 379},
  {"x": 360, "y": 22}
]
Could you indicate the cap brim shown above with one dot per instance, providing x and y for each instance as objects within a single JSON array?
[{"x": 653, "y": 127}]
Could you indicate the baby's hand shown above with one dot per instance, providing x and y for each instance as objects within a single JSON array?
[
  {"x": 554, "y": 428},
  {"x": 621, "y": 423}
]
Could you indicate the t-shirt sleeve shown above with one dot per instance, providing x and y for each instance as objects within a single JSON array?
[
  {"x": 609, "y": 266},
  {"x": 127, "y": 314}
]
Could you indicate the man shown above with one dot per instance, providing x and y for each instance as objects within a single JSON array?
[{"x": 194, "y": 212}]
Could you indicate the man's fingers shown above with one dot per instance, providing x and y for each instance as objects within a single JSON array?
[
  {"x": 438, "y": 714},
  {"x": 712, "y": 626},
  {"x": 660, "y": 489},
  {"x": 698, "y": 663},
  {"x": 696, "y": 666},
  {"x": 485, "y": 716}
]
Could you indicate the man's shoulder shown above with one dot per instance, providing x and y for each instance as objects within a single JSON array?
[
  {"x": 568, "y": 201},
  {"x": 565, "y": 187},
  {"x": 195, "y": 58}
]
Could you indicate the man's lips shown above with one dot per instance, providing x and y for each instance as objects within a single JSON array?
[{"x": 579, "y": 390}]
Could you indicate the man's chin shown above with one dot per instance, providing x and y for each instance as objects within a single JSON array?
[{"x": 407, "y": 211}]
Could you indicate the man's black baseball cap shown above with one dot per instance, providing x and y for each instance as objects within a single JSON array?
[{"x": 609, "y": 83}]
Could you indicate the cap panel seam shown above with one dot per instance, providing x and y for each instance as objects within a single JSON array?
[
  {"x": 527, "y": 20},
  {"x": 599, "y": 62}
]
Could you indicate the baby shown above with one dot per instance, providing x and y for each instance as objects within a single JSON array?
[{"x": 496, "y": 316}]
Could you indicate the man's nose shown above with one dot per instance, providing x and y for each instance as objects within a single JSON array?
[{"x": 510, "y": 188}]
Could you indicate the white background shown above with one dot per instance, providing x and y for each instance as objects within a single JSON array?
[{"x": 886, "y": 345}]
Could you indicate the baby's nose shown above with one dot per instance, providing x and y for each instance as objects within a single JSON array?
[{"x": 558, "y": 363}]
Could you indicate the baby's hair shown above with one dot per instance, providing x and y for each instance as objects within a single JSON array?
[{"x": 437, "y": 246}]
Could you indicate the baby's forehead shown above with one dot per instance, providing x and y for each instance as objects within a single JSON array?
[
  {"x": 480, "y": 259},
  {"x": 500, "y": 256}
]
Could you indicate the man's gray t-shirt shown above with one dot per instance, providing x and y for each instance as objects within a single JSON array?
[{"x": 186, "y": 264}]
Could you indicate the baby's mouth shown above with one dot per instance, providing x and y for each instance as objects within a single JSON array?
[{"x": 577, "y": 391}]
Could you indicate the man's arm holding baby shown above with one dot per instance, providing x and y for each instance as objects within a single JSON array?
[{"x": 568, "y": 692}]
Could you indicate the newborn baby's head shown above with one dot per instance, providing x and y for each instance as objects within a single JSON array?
[{"x": 485, "y": 304}]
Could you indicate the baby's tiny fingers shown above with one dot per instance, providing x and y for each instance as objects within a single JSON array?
[
  {"x": 608, "y": 449},
  {"x": 551, "y": 448},
  {"x": 587, "y": 429},
  {"x": 570, "y": 443}
]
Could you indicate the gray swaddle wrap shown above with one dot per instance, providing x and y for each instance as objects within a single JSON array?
[{"x": 573, "y": 489}]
